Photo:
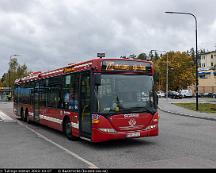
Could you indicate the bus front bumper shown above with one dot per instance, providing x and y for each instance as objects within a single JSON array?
[{"x": 100, "y": 136}]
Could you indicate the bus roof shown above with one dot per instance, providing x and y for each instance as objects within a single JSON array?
[{"x": 94, "y": 64}]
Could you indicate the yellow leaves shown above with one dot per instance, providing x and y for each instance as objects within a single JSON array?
[{"x": 181, "y": 70}]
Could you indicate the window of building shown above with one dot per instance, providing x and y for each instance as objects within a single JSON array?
[
  {"x": 202, "y": 76},
  {"x": 211, "y": 56},
  {"x": 212, "y": 64}
]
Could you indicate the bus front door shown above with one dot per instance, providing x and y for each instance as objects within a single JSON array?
[{"x": 85, "y": 112}]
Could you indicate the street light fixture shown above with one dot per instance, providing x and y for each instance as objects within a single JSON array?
[
  {"x": 191, "y": 14},
  {"x": 167, "y": 71}
]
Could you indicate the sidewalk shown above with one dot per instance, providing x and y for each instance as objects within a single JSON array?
[
  {"x": 7, "y": 107},
  {"x": 167, "y": 106},
  {"x": 5, "y": 118}
]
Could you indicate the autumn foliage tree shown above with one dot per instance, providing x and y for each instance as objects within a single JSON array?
[{"x": 181, "y": 70}]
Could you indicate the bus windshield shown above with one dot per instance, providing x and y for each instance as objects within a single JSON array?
[{"x": 119, "y": 93}]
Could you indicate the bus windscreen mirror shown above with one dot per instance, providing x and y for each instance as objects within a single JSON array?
[
  {"x": 156, "y": 100},
  {"x": 97, "y": 79}
]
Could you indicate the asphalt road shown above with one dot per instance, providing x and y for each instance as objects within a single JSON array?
[{"x": 183, "y": 142}]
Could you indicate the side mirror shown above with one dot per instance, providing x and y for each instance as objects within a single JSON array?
[{"x": 97, "y": 79}]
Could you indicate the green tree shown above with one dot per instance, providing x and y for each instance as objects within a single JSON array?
[
  {"x": 192, "y": 53},
  {"x": 132, "y": 56},
  {"x": 154, "y": 55},
  {"x": 14, "y": 72},
  {"x": 123, "y": 56},
  {"x": 142, "y": 56}
]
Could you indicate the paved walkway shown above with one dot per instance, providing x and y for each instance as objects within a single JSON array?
[
  {"x": 167, "y": 106},
  {"x": 5, "y": 118}
]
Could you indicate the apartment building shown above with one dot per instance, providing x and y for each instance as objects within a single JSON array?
[
  {"x": 208, "y": 60},
  {"x": 207, "y": 73}
]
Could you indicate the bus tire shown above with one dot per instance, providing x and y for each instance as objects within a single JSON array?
[
  {"x": 27, "y": 117},
  {"x": 67, "y": 128},
  {"x": 21, "y": 114}
]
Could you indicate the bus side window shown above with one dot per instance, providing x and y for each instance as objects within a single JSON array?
[
  {"x": 66, "y": 95},
  {"x": 70, "y": 92},
  {"x": 54, "y": 98}
]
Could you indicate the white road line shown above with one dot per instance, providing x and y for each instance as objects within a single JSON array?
[
  {"x": 90, "y": 165},
  {"x": 4, "y": 117}
]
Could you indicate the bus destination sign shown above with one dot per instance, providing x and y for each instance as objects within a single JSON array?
[
  {"x": 68, "y": 69},
  {"x": 121, "y": 65}
]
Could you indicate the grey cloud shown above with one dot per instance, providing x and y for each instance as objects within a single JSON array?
[{"x": 50, "y": 34}]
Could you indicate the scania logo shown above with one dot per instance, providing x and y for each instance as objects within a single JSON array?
[{"x": 132, "y": 122}]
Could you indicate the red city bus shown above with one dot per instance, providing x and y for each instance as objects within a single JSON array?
[{"x": 97, "y": 100}]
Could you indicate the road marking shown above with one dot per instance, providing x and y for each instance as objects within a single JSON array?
[
  {"x": 5, "y": 118},
  {"x": 90, "y": 165}
]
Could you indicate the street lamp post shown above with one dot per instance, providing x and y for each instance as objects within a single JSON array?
[
  {"x": 167, "y": 71},
  {"x": 167, "y": 78},
  {"x": 171, "y": 12}
]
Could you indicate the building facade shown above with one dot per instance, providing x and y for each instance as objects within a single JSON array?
[
  {"x": 208, "y": 60},
  {"x": 207, "y": 73}
]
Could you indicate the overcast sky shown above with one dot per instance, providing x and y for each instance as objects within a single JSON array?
[{"x": 48, "y": 34}]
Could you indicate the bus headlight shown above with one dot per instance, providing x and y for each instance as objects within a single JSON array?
[
  {"x": 107, "y": 130},
  {"x": 151, "y": 127}
]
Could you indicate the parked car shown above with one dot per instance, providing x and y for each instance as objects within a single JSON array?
[
  {"x": 213, "y": 95},
  {"x": 186, "y": 93},
  {"x": 174, "y": 95},
  {"x": 206, "y": 94},
  {"x": 161, "y": 94}
]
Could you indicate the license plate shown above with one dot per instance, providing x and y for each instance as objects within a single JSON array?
[{"x": 134, "y": 134}]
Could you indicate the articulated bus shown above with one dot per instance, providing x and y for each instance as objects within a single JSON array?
[{"x": 98, "y": 100}]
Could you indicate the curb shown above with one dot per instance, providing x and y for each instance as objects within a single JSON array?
[{"x": 187, "y": 115}]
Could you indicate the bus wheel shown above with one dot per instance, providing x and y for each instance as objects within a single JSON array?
[
  {"x": 27, "y": 118},
  {"x": 68, "y": 129},
  {"x": 21, "y": 115}
]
